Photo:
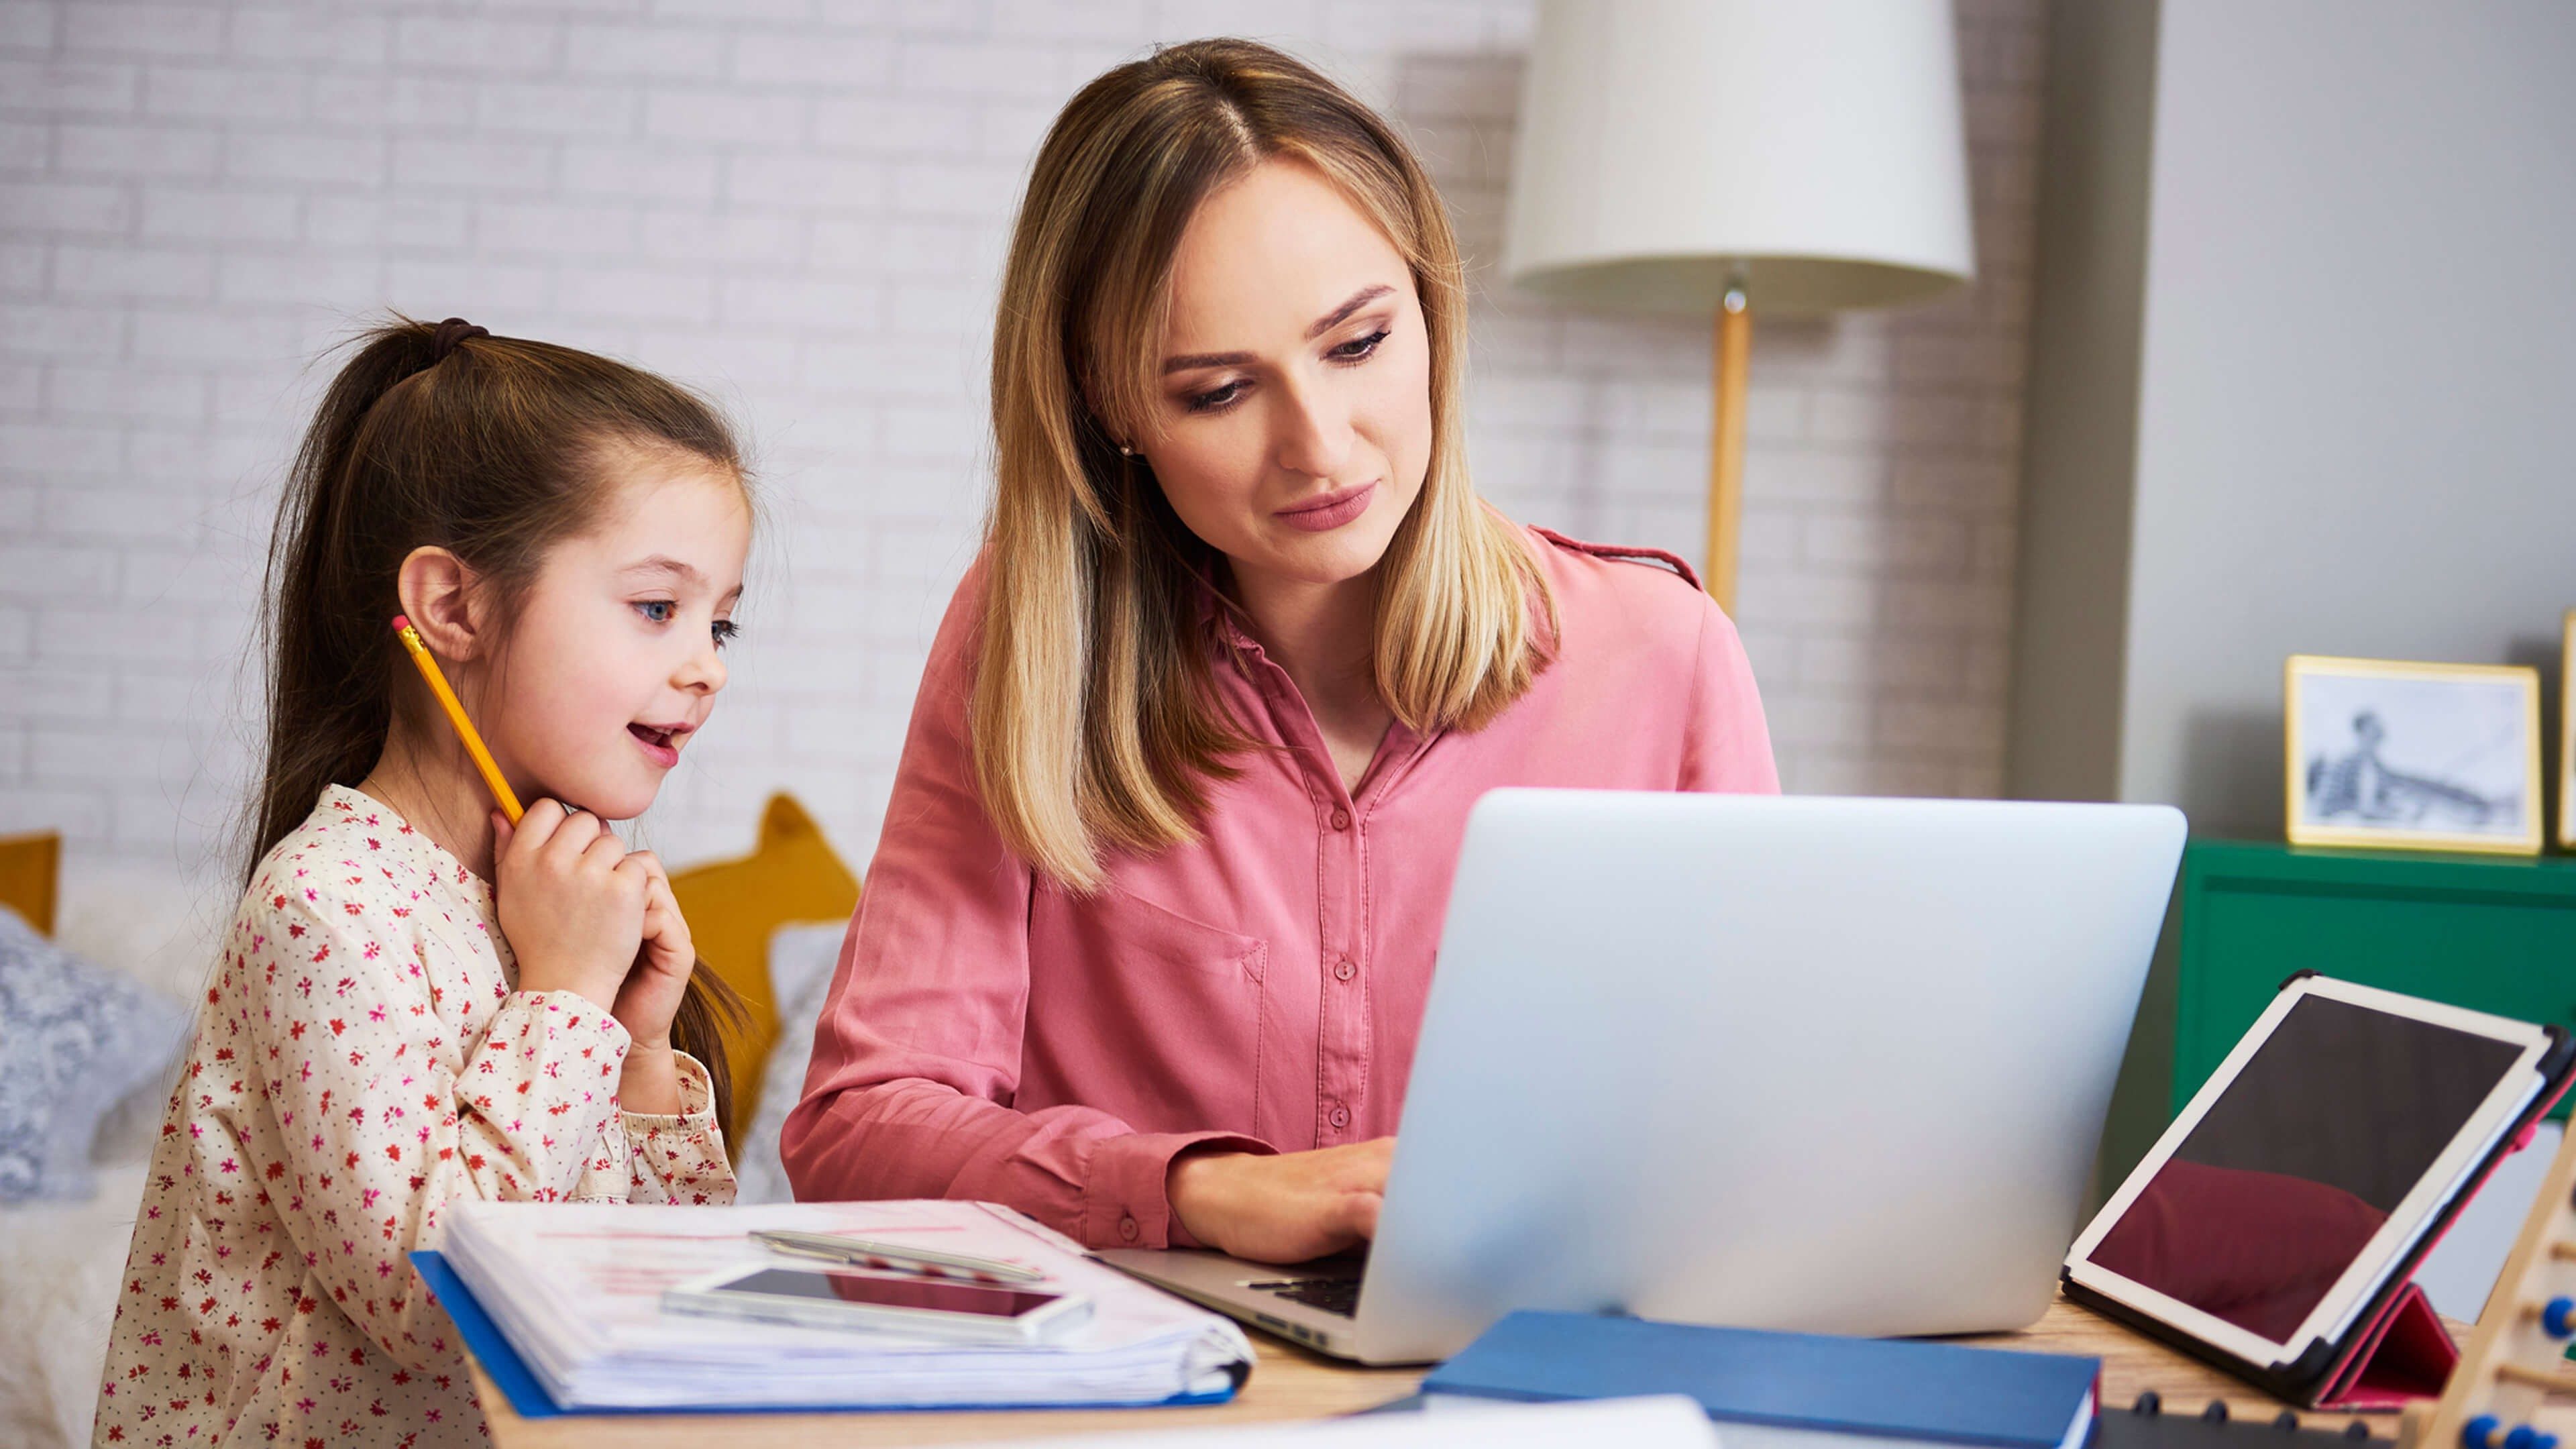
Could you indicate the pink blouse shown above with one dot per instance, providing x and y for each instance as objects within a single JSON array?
[{"x": 991, "y": 1036}]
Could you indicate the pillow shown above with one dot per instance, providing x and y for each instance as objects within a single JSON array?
[
  {"x": 30, "y": 867},
  {"x": 74, "y": 1040},
  {"x": 801, "y": 961},
  {"x": 161, "y": 931},
  {"x": 156, "y": 927},
  {"x": 732, "y": 907},
  {"x": 61, "y": 1264}
]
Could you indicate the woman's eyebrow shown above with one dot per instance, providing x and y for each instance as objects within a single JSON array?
[
  {"x": 1338, "y": 315},
  {"x": 1188, "y": 361},
  {"x": 1326, "y": 323}
]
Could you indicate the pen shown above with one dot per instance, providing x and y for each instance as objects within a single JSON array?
[
  {"x": 420, "y": 655},
  {"x": 870, "y": 1253}
]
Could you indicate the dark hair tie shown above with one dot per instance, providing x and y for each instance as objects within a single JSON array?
[{"x": 451, "y": 332}]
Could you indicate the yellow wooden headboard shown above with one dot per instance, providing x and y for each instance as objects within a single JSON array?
[
  {"x": 30, "y": 874},
  {"x": 732, "y": 906}
]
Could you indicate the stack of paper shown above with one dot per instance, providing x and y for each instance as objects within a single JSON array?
[{"x": 577, "y": 1290}]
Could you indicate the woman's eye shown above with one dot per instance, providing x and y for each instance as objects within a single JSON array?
[
  {"x": 660, "y": 611},
  {"x": 1358, "y": 348},
  {"x": 1217, "y": 400},
  {"x": 724, "y": 630}
]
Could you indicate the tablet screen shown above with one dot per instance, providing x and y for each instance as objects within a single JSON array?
[
  {"x": 2332, "y": 1122},
  {"x": 931, "y": 1295}
]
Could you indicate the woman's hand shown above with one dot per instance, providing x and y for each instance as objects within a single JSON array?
[
  {"x": 571, "y": 907},
  {"x": 1282, "y": 1209}
]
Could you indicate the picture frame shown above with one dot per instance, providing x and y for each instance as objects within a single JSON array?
[
  {"x": 2403, "y": 755},
  {"x": 2567, "y": 733}
]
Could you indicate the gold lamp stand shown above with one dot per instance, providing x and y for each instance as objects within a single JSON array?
[{"x": 1726, "y": 446}]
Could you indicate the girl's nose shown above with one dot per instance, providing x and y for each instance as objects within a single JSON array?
[
  {"x": 703, "y": 672},
  {"x": 1313, "y": 430}
]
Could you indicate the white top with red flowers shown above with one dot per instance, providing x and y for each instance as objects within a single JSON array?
[{"x": 361, "y": 1060}]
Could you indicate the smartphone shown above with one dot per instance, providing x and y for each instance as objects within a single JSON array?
[{"x": 883, "y": 1303}]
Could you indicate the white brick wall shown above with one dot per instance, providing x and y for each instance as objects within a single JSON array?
[{"x": 800, "y": 204}]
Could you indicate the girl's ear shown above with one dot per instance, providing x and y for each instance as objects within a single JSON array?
[{"x": 437, "y": 592}]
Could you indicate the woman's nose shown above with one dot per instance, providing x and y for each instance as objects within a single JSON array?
[{"x": 1314, "y": 431}]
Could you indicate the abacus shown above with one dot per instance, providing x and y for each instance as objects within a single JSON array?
[{"x": 2517, "y": 1355}]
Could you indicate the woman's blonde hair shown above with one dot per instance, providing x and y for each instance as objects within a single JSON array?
[{"x": 1093, "y": 724}]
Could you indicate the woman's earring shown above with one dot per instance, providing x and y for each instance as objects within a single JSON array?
[{"x": 1126, "y": 452}]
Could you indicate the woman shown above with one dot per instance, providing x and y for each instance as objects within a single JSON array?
[{"x": 1145, "y": 944}]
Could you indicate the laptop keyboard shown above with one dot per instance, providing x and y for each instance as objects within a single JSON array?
[{"x": 1331, "y": 1295}]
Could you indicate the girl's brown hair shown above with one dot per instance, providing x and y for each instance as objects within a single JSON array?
[
  {"x": 1092, "y": 723},
  {"x": 488, "y": 447}
]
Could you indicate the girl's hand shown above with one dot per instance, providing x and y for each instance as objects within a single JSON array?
[
  {"x": 1283, "y": 1209},
  {"x": 651, "y": 995},
  {"x": 570, "y": 906}
]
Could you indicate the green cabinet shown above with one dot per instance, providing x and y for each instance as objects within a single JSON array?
[{"x": 2492, "y": 933}]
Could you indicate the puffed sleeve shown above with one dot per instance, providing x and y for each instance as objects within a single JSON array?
[{"x": 384, "y": 1116}]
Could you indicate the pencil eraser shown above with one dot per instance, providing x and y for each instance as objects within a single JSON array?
[{"x": 401, "y": 622}]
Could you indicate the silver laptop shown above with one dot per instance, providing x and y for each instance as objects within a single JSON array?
[{"x": 1826, "y": 1064}]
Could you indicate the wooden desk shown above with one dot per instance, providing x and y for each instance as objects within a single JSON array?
[{"x": 1290, "y": 1383}]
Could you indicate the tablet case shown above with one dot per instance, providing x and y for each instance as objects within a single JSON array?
[
  {"x": 529, "y": 1400},
  {"x": 2397, "y": 1348}
]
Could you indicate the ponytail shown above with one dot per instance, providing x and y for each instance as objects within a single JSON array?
[{"x": 327, "y": 717}]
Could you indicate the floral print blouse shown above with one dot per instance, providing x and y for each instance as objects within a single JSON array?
[{"x": 361, "y": 1060}]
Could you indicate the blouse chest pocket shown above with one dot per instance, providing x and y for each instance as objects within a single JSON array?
[{"x": 1162, "y": 1010}]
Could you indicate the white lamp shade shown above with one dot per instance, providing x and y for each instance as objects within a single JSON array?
[{"x": 1809, "y": 148}]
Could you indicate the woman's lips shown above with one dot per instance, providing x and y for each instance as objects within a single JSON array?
[
  {"x": 1323, "y": 515},
  {"x": 660, "y": 743}
]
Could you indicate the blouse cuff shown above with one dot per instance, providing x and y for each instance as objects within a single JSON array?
[
  {"x": 570, "y": 1011},
  {"x": 1125, "y": 1202},
  {"x": 697, "y": 1101}
]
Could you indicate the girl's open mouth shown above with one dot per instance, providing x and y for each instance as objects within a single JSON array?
[{"x": 661, "y": 743}]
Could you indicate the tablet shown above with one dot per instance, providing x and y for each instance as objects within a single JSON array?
[
  {"x": 884, "y": 1302},
  {"x": 2306, "y": 1172}
]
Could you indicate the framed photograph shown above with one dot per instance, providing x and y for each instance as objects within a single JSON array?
[
  {"x": 2567, "y": 735},
  {"x": 2413, "y": 756}
]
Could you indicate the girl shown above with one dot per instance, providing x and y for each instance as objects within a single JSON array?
[
  {"x": 416, "y": 1002},
  {"x": 1146, "y": 941}
]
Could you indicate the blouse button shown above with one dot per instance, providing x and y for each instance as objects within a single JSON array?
[
  {"x": 1127, "y": 1229},
  {"x": 1343, "y": 970},
  {"x": 1341, "y": 820},
  {"x": 1341, "y": 1117}
]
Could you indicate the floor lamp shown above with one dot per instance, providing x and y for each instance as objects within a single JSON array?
[{"x": 1708, "y": 156}]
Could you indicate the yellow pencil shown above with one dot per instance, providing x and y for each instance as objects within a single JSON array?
[{"x": 456, "y": 715}]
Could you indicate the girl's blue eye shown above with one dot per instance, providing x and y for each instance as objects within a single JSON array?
[
  {"x": 660, "y": 611},
  {"x": 725, "y": 630}
]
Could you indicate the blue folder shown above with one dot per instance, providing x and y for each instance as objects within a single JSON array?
[
  {"x": 529, "y": 1400},
  {"x": 1881, "y": 1388}
]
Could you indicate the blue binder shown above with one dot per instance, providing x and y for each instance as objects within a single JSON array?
[
  {"x": 1879, "y": 1388},
  {"x": 529, "y": 1400}
]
